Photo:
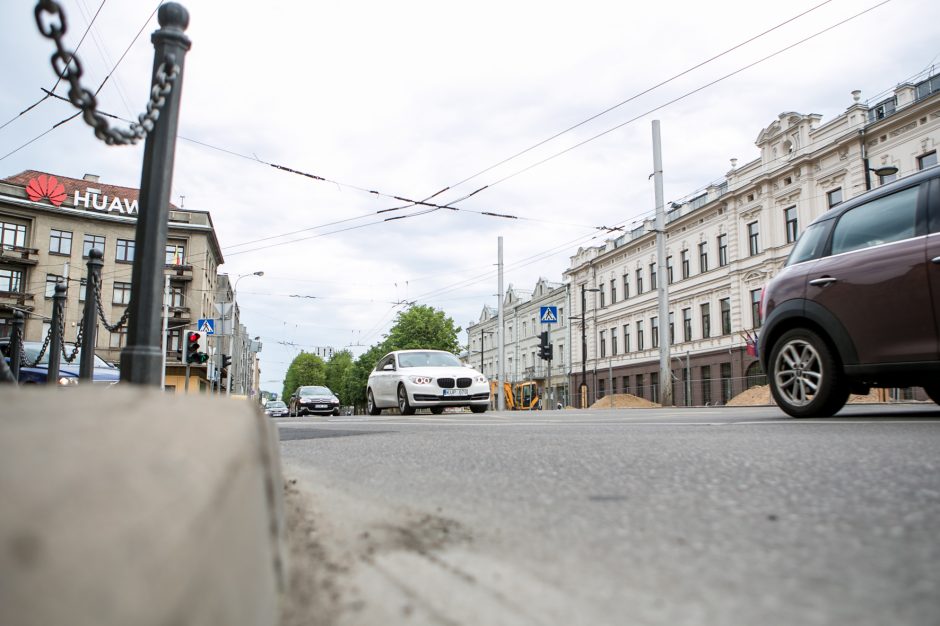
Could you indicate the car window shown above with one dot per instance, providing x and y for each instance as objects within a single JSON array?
[
  {"x": 276, "y": 405},
  {"x": 810, "y": 243},
  {"x": 428, "y": 359},
  {"x": 315, "y": 391},
  {"x": 887, "y": 219}
]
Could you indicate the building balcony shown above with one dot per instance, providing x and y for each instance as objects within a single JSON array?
[
  {"x": 178, "y": 272},
  {"x": 18, "y": 255},
  {"x": 16, "y": 298}
]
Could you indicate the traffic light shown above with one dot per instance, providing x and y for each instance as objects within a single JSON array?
[
  {"x": 193, "y": 355},
  {"x": 226, "y": 361},
  {"x": 545, "y": 348}
]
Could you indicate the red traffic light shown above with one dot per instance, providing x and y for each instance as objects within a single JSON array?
[{"x": 193, "y": 337}]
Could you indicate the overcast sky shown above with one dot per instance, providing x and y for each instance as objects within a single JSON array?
[{"x": 408, "y": 98}]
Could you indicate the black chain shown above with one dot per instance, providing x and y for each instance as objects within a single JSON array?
[
  {"x": 67, "y": 65},
  {"x": 24, "y": 360},
  {"x": 78, "y": 339},
  {"x": 120, "y": 323}
]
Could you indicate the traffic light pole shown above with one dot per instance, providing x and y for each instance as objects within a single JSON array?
[
  {"x": 548, "y": 374},
  {"x": 186, "y": 358}
]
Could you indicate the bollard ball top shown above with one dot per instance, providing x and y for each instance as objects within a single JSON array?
[{"x": 173, "y": 15}]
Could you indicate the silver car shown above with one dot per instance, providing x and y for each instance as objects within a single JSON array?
[{"x": 433, "y": 379}]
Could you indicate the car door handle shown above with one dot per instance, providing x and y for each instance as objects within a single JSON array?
[{"x": 822, "y": 282}]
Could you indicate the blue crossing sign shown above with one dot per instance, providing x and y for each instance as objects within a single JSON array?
[
  {"x": 206, "y": 325},
  {"x": 548, "y": 314}
]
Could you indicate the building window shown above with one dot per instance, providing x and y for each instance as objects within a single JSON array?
[
  {"x": 11, "y": 280},
  {"x": 654, "y": 331},
  {"x": 703, "y": 257},
  {"x": 706, "y": 385},
  {"x": 753, "y": 242},
  {"x": 92, "y": 241},
  {"x": 175, "y": 254},
  {"x": 722, "y": 250},
  {"x": 687, "y": 324},
  {"x": 884, "y": 180},
  {"x": 626, "y": 384},
  {"x": 51, "y": 281},
  {"x": 626, "y": 338},
  {"x": 706, "y": 321},
  {"x": 603, "y": 344},
  {"x": 600, "y": 293},
  {"x": 12, "y": 235},
  {"x": 640, "y": 389},
  {"x": 639, "y": 336},
  {"x": 685, "y": 263},
  {"x": 613, "y": 342},
  {"x": 834, "y": 197},
  {"x": 639, "y": 281},
  {"x": 654, "y": 387},
  {"x": 125, "y": 250},
  {"x": 600, "y": 388},
  {"x": 613, "y": 291},
  {"x": 789, "y": 217},
  {"x": 755, "y": 307},
  {"x": 83, "y": 287},
  {"x": 613, "y": 385},
  {"x": 176, "y": 296},
  {"x": 122, "y": 293},
  {"x": 652, "y": 276},
  {"x": 118, "y": 339},
  {"x": 174, "y": 341},
  {"x": 60, "y": 242},
  {"x": 626, "y": 286},
  {"x": 725, "y": 307},
  {"x": 927, "y": 160},
  {"x": 726, "y": 389},
  {"x": 669, "y": 274}
]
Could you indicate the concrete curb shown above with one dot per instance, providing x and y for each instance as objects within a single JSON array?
[{"x": 130, "y": 506}]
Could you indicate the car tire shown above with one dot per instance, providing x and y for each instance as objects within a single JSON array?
[
  {"x": 335, "y": 411},
  {"x": 437, "y": 410},
  {"x": 478, "y": 409},
  {"x": 404, "y": 407},
  {"x": 805, "y": 378},
  {"x": 933, "y": 392},
  {"x": 371, "y": 409}
]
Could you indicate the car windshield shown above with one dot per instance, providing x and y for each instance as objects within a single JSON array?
[
  {"x": 276, "y": 405},
  {"x": 32, "y": 352},
  {"x": 315, "y": 391},
  {"x": 428, "y": 359}
]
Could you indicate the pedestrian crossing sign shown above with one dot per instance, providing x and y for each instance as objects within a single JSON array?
[
  {"x": 548, "y": 314},
  {"x": 207, "y": 326}
]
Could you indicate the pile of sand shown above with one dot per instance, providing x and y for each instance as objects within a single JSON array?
[
  {"x": 623, "y": 401},
  {"x": 756, "y": 396}
]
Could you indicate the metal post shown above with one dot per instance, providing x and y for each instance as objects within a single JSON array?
[
  {"x": 86, "y": 368},
  {"x": 231, "y": 346},
  {"x": 16, "y": 344},
  {"x": 583, "y": 350},
  {"x": 665, "y": 371},
  {"x": 550, "y": 396},
  {"x": 186, "y": 359},
  {"x": 501, "y": 340},
  {"x": 141, "y": 360},
  {"x": 55, "y": 344},
  {"x": 166, "y": 323}
]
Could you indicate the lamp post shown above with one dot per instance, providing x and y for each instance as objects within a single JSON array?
[
  {"x": 231, "y": 336},
  {"x": 584, "y": 342},
  {"x": 887, "y": 170},
  {"x": 482, "y": 333}
]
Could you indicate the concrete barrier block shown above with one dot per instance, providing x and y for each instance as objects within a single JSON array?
[{"x": 130, "y": 506}]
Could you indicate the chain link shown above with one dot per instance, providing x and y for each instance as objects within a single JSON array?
[
  {"x": 24, "y": 360},
  {"x": 78, "y": 341},
  {"x": 51, "y": 22},
  {"x": 120, "y": 323}
]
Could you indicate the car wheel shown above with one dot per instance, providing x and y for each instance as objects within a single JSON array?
[
  {"x": 805, "y": 378},
  {"x": 370, "y": 404},
  {"x": 335, "y": 411},
  {"x": 933, "y": 392},
  {"x": 404, "y": 407},
  {"x": 437, "y": 410},
  {"x": 478, "y": 409}
]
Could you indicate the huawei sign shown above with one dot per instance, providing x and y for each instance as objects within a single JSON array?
[{"x": 46, "y": 187}]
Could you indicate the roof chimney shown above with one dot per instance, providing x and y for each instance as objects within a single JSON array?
[{"x": 92, "y": 178}]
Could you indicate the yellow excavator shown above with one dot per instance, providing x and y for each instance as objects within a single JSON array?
[{"x": 523, "y": 396}]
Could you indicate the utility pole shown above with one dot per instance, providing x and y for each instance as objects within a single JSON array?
[
  {"x": 665, "y": 369},
  {"x": 500, "y": 340},
  {"x": 583, "y": 389}
]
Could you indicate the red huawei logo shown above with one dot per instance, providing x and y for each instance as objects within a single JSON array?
[{"x": 46, "y": 187}]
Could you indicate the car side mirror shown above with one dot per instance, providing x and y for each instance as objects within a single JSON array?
[{"x": 388, "y": 367}]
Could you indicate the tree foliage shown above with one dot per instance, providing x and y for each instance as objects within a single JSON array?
[{"x": 305, "y": 369}]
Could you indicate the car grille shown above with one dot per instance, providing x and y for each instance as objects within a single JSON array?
[
  {"x": 464, "y": 382},
  {"x": 445, "y": 383}
]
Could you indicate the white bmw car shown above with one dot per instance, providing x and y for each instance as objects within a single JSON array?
[{"x": 417, "y": 379}]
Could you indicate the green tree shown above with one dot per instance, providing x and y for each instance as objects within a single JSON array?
[
  {"x": 305, "y": 369},
  {"x": 337, "y": 369}
]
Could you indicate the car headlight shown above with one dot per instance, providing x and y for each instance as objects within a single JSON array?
[
  {"x": 479, "y": 379},
  {"x": 420, "y": 380},
  {"x": 67, "y": 380}
]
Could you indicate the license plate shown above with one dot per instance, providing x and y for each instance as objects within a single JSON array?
[
  {"x": 454, "y": 392},
  {"x": 320, "y": 406}
]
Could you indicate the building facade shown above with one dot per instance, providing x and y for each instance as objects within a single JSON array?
[
  {"x": 48, "y": 225},
  {"x": 725, "y": 242}
]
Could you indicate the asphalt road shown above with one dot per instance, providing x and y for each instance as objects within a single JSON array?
[{"x": 646, "y": 516}]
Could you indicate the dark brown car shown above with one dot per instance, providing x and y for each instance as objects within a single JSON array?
[{"x": 858, "y": 303}]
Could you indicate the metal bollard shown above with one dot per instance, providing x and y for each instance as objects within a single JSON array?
[
  {"x": 86, "y": 368},
  {"x": 55, "y": 343},
  {"x": 16, "y": 344}
]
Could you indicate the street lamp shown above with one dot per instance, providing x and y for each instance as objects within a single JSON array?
[
  {"x": 584, "y": 343},
  {"x": 231, "y": 336},
  {"x": 887, "y": 170}
]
